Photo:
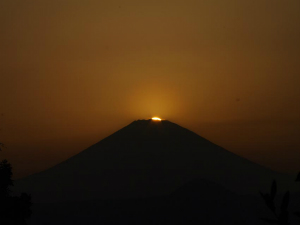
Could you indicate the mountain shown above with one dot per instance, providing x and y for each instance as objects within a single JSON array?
[
  {"x": 186, "y": 206},
  {"x": 145, "y": 159}
]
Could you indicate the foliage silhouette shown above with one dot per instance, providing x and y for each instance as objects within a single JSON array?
[
  {"x": 13, "y": 210},
  {"x": 281, "y": 217},
  {"x": 5, "y": 175},
  {"x": 298, "y": 177},
  {"x": 297, "y": 213},
  {"x": 1, "y": 146}
]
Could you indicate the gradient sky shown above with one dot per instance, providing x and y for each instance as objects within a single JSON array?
[{"x": 73, "y": 72}]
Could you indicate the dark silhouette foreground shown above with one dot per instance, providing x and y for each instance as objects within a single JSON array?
[
  {"x": 281, "y": 215},
  {"x": 13, "y": 210}
]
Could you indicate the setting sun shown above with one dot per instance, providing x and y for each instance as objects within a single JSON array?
[{"x": 156, "y": 118}]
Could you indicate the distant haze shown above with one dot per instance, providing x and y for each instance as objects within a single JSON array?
[{"x": 73, "y": 72}]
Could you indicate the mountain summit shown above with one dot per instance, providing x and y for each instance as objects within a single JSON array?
[{"x": 146, "y": 158}]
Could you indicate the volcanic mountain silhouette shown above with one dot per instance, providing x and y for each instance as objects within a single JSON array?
[{"x": 146, "y": 158}]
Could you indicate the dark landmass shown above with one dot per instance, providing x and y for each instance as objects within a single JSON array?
[{"x": 151, "y": 173}]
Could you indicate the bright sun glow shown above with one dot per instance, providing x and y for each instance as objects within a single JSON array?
[{"x": 156, "y": 118}]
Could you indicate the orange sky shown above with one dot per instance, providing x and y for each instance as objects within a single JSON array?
[{"x": 73, "y": 72}]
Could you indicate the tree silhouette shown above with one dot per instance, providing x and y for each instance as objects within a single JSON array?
[
  {"x": 13, "y": 210},
  {"x": 1, "y": 146},
  {"x": 281, "y": 215},
  {"x": 5, "y": 178}
]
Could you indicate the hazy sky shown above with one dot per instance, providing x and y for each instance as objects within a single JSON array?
[{"x": 75, "y": 71}]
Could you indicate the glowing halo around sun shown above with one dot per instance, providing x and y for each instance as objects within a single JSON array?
[{"x": 156, "y": 118}]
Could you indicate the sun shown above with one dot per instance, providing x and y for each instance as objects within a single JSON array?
[{"x": 156, "y": 118}]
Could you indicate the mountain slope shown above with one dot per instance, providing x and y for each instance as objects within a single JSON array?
[
  {"x": 145, "y": 159},
  {"x": 197, "y": 202}
]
